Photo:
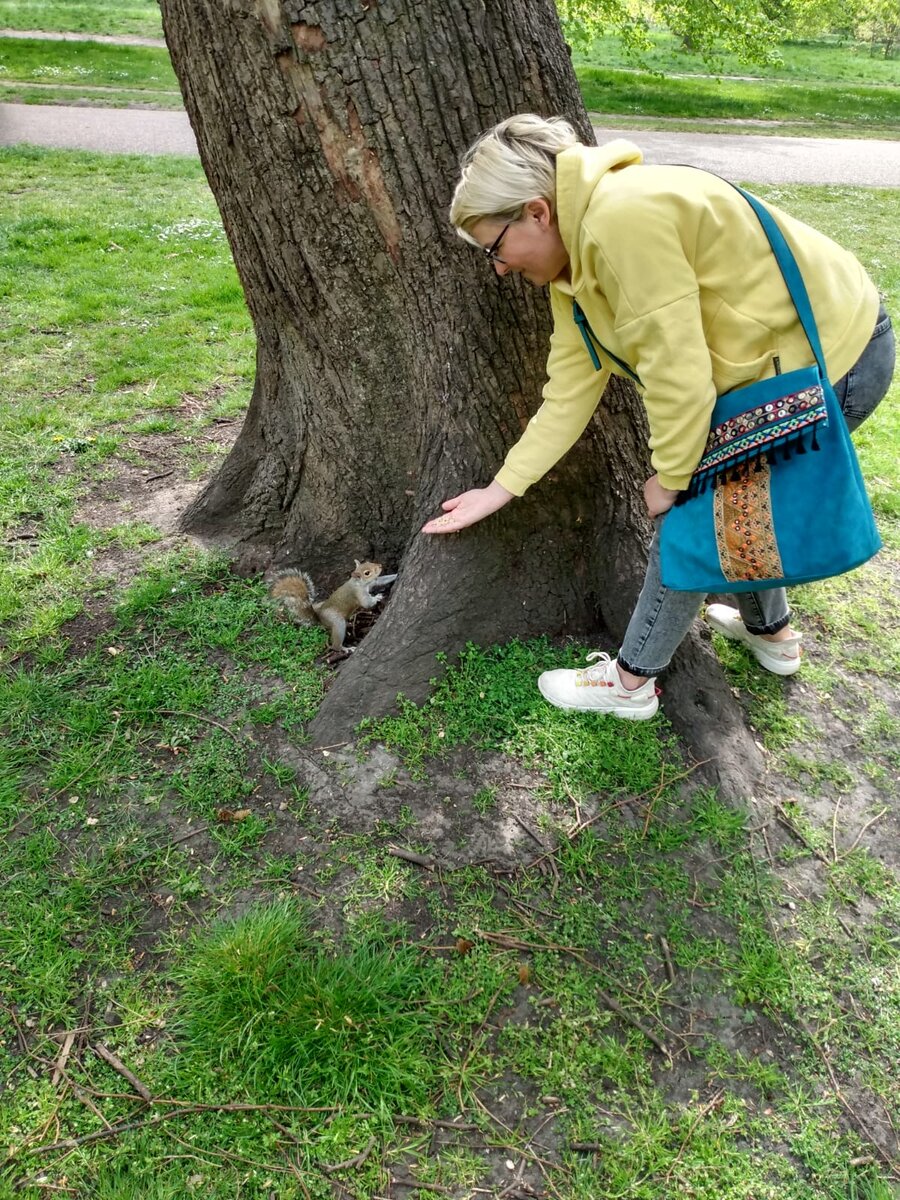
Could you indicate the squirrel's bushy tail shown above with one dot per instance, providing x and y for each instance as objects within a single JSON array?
[{"x": 293, "y": 591}]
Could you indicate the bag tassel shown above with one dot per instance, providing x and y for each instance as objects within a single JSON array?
[{"x": 748, "y": 464}]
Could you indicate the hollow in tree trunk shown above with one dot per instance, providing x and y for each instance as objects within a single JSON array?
[{"x": 393, "y": 368}]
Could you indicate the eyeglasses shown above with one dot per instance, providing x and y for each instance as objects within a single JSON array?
[{"x": 491, "y": 251}]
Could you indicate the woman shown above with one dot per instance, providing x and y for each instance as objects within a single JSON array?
[{"x": 677, "y": 281}]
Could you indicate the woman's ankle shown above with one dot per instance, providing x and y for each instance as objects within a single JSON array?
[
  {"x": 629, "y": 681},
  {"x": 781, "y": 636}
]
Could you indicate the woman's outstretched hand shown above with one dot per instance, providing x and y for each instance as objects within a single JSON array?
[
  {"x": 657, "y": 498},
  {"x": 468, "y": 508}
]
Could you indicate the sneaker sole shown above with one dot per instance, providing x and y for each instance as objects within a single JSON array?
[
  {"x": 777, "y": 666},
  {"x": 626, "y": 714}
]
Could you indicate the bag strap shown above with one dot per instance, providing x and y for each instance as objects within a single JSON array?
[
  {"x": 787, "y": 264},
  {"x": 590, "y": 339},
  {"x": 791, "y": 272}
]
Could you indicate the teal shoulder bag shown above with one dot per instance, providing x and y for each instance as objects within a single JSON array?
[{"x": 778, "y": 497}]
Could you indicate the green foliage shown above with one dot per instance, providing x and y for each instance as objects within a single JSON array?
[
  {"x": 876, "y": 22},
  {"x": 742, "y": 27},
  {"x": 306, "y": 1026},
  {"x": 824, "y": 61}
]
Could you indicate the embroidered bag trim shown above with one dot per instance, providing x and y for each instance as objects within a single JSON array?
[
  {"x": 786, "y": 424},
  {"x": 745, "y": 529}
]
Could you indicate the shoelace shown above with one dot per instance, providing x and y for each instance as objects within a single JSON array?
[{"x": 599, "y": 670}]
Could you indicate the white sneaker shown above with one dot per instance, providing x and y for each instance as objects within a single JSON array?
[
  {"x": 599, "y": 689},
  {"x": 781, "y": 658}
]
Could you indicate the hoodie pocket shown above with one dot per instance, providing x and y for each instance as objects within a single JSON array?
[{"x": 741, "y": 349}]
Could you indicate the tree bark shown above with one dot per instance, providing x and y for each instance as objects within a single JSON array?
[{"x": 393, "y": 368}]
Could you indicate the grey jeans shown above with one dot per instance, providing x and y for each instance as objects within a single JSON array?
[{"x": 662, "y": 617}]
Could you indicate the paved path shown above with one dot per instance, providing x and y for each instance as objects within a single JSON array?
[
  {"x": 856, "y": 161},
  {"x": 736, "y": 156},
  {"x": 120, "y": 39},
  {"x": 115, "y": 130}
]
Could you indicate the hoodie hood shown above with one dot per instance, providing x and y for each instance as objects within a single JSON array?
[{"x": 580, "y": 170}]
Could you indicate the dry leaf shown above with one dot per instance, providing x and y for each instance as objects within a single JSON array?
[
  {"x": 463, "y": 945},
  {"x": 230, "y": 815},
  {"x": 524, "y": 973}
]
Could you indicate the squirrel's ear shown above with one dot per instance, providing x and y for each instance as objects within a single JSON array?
[{"x": 356, "y": 562}]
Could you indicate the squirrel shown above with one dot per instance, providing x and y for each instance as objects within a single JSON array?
[{"x": 293, "y": 590}]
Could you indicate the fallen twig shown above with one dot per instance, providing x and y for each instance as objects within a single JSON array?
[
  {"x": 117, "y": 1065},
  {"x": 707, "y": 1108},
  {"x": 422, "y": 1187},
  {"x": 858, "y": 838},
  {"x": 510, "y": 943},
  {"x": 20, "y": 1036},
  {"x": 801, "y": 837},
  {"x": 113, "y": 1131},
  {"x": 617, "y": 1008},
  {"x": 350, "y": 1163},
  {"x": 471, "y": 1050},
  {"x": 854, "y": 1116},
  {"x": 532, "y": 833},
  {"x": 423, "y": 1123},
  {"x": 581, "y": 826},
  {"x": 410, "y": 856},
  {"x": 134, "y": 862},
  {"x": 513, "y": 943},
  {"x": 667, "y": 959},
  {"x": 834, "y": 817},
  {"x": 63, "y": 1058},
  {"x": 176, "y": 1108},
  {"x": 178, "y": 712},
  {"x": 229, "y": 1156}
]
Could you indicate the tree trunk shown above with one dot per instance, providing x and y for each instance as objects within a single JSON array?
[{"x": 393, "y": 368}]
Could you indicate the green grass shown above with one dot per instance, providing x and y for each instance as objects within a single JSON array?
[
  {"x": 286, "y": 954},
  {"x": 23, "y": 93},
  {"x": 301, "y": 1025},
  {"x": 140, "y": 17},
  {"x": 858, "y": 106},
  {"x": 814, "y": 62},
  {"x": 122, "y": 305},
  {"x": 489, "y": 699},
  {"x": 88, "y": 65}
]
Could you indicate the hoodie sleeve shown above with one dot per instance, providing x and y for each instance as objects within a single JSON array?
[
  {"x": 645, "y": 271},
  {"x": 570, "y": 395}
]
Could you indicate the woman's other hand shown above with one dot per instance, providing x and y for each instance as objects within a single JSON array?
[
  {"x": 657, "y": 498},
  {"x": 469, "y": 507}
]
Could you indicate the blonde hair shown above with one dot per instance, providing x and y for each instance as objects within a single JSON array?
[{"x": 509, "y": 165}]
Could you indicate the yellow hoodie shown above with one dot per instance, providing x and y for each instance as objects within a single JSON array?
[{"x": 677, "y": 279}]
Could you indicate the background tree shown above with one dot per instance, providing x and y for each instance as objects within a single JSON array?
[
  {"x": 393, "y": 368},
  {"x": 879, "y": 25},
  {"x": 749, "y": 29}
]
